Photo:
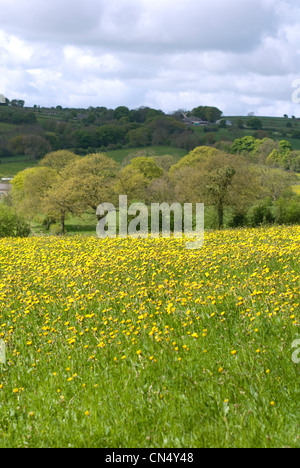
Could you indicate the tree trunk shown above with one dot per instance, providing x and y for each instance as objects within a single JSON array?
[
  {"x": 62, "y": 223},
  {"x": 220, "y": 215}
]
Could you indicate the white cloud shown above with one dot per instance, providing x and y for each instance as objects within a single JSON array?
[{"x": 239, "y": 56}]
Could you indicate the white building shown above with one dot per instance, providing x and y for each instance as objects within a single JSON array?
[{"x": 2, "y": 99}]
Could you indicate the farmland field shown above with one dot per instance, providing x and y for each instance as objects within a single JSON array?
[
  {"x": 143, "y": 343},
  {"x": 9, "y": 167}
]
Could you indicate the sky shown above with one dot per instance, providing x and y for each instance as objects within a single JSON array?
[{"x": 240, "y": 56}]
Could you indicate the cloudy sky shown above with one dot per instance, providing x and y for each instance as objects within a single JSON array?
[{"x": 240, "y": 56}]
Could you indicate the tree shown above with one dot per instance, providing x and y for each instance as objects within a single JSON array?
[
  {"x": 147, "y": 166},
  {"x": 58, "y": 160},
  {"x": 139, "y": 137},
  {"x": 281, "y": 156},
  {"x": 29, "y": 188},
  {"x": 194, "y": 157},
  {"x": 122, "y": 112},
  {"x": 210, "y": 114},
  {"x": 274, "y": 158},
  {"x": 131, "y": 182},
  {"x": 91, "y": 180},
  {"x": 255, "y": 123},
  {"x": 218, "y": 179},
  {"x": 109, "y": 135},
  {"x": 84, "y": 138},
  {"x": 35, "y": 146},
  {"x": 59, "y": 200},
  {"x": 285, "y": 146},
  {"x": 17, "y": 183},
  {"x": 16, "y": 145},
  {"x": 263, "y": 148},
  {"x": 245, "y": 145},
  {"x": 240, "y": 123},
  {"x": 165, "y": 162},
  {"x": 135, "y": 178},
  {"x": 223, "y": 124},
  {"x": 17, "y": 103}
]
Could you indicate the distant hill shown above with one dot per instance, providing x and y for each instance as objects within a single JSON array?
[{"x": 31, "y": 132}]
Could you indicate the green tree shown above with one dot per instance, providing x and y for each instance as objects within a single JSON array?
[
  {"x": 147, "y": 166},
  {"x": 135, "y": 178},
  {"x": 131, "y": 182},
  {"x": 263, "y": 149},
  {"x": 240, "y": 123},
  {"x": 139, "y": 137},
  {"x": 123, "y": 113},
  {"x": 109, "y": 135},
  {"x": 84, "y": 138},
  {"x": 16, "y": 145},
  {"x": 210, "y": 114},
  {"x": 91, "y": 181},
  {"x": 245, "y": 145},
  {"x": 220, "y": 180},
  {"x": 275, "y": 183},
  {"x": 255, "y": 123},
  {"x": 197, "y": 155},
  {"x": 58, "y": 160}
]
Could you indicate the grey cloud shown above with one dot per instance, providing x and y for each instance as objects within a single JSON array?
[
  {"x": 164, "y": 53},
  {"x": 140, "y": 24}
]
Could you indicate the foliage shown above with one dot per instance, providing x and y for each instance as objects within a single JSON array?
[
  {"x": 261, "y": 214},
  {"x": 209, "y": 114},
  {"x": 254, "y": 123},
  {"x": 245, "y": 145},
  {"x": 216, "y": 179},
  {"x": 10, "y": 224}
]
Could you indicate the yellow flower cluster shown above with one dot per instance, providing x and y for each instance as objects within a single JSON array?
[{"x": 131, "y": 299}]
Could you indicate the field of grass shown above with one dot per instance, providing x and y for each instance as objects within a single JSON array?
[
  {"x": 143, "y": 343},
  {"x": 9, "y": 167},
  {"x": 121, "y": 155},
  {"x": 276, "y": 126}
]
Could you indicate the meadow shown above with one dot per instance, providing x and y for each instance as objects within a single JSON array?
[{"x": 143, "y": 343}]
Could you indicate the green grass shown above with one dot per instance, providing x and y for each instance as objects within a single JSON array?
[
  {"x": 84, "y": 225},
  {"x": 142, "y": 343},
  {"x": 5, "y": 127},
  {"x": 122, "y": 154},
  {"x": 9, "y": 167}
]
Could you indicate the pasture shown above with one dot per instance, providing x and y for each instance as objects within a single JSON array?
[{"x": 142, "y": 343}]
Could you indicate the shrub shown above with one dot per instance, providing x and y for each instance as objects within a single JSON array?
[
  {"x": 261, "y": 213},
  {"x": 287, "y": 211},
  {"x": 11, "y": 225}
]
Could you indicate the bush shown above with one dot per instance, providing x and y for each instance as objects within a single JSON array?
[
  {"x": 55, "y": 230},
  {"x": 11, "y": 225},
  {"x": 287, "y": 211},
  {"x": 7, "y": 222},
  {"x": 22, "y": 228},
  {"x": 261, "y": 213}
]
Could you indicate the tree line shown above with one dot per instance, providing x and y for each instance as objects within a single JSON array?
[
  {"x": 64, "y": 183},
  {"x": 97, "y": 129}
]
